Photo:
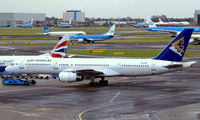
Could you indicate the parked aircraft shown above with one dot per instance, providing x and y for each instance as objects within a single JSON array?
[
  {"x": 66, "y": 24},
  {"x": 168, "y": 23},
  {"x": 58, "y": 51},
  {"x": 78, "y": 69},
  {"x": 60, "y": 34},
  {"x": 25, "y": 25},
  {"x": 180, "y": 23},
  {"x": 175, "y": 31},
  {"x": 92, "y": 38},
  {"x": 152, "y": 27}
]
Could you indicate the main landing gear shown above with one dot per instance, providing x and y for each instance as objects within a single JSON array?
[{"x": 101, "y": 82}]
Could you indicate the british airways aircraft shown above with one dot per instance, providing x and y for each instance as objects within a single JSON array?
[
  {"x": 92, "y": 38},
  {"x": 59, "y": 51},
  {"x": 78, "y": 69}
]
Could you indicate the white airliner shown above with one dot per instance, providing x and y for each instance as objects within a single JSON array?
[
  {"x": 60, "y": 34},
  {"x": 58, "y": 51},
  {"x": 169, "y": 23},
  {"x": 195, "y": 38},
  {"x": 77, "y": 69}
]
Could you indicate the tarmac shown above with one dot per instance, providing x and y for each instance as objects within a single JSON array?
[{"x": 171, "y": 96}]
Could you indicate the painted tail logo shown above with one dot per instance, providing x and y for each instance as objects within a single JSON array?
[
  {"x": 61, "y": 48},
  {"x": 178, "y": 47}
]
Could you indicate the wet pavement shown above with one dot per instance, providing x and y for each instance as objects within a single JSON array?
[
  {"x": 140, "y": 98},
  {"x": 174, "y": 96}
]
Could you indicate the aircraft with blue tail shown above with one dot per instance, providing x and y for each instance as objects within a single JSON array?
[
  {"x": 25, "y": 25},
  {"x": 93, "y": 38},
  {"x": 153, "y": 27},
  {"x": 78, "y": 69},
  {"x": 66, "y": 24},
  {"x": 60, "y": 34},
  {"x": 195, "y": 38}
]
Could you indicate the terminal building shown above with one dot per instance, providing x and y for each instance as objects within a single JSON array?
[
  {"x": 21, "y": 18},
  {"x": 197, "y": 17},
  {"x": 74, "y": 16}
]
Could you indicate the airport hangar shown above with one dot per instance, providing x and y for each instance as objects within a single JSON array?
[
  {"x": 197, "y": 17},
  {"x": 21, "y": 18}
]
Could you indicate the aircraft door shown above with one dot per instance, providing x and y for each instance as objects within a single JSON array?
[
  {"x": 153, "y": 67},
  {"x": 21, "y": 65},
  {"x": 55, "y": 65}
]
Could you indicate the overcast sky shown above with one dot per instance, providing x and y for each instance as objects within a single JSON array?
[{"x": 104, "y": 8}]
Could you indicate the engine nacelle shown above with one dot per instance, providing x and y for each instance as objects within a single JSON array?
[
  {"x": 191, "y": 40},
  {"x": 80, "y": 40},
  {"x": 69, "y": 77}
]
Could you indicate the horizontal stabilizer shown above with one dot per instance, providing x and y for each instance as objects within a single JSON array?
[{"x": 174, "y": 66}]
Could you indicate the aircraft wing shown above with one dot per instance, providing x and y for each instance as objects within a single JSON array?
[
  {"x": 93, "y": 72},
  {"x": 169, "y": 31},
  {"x": 174, "y": 66}
]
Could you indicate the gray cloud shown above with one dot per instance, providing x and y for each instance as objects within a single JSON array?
[{"x": 104, "y": 8}]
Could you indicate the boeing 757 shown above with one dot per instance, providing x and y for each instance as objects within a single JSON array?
[{"x": 78, "y": 69}]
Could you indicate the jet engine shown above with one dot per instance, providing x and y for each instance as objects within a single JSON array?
[
  {"x": 69, "y": 77},
  {"x": 80, "y": 40}
]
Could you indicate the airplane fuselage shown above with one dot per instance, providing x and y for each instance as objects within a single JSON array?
[
  {"x": 108, "y": 67},
  {"x": 61, "y": 34},
  {"x": 91, "y": 37},
  {"x": 175, "y": 29}
]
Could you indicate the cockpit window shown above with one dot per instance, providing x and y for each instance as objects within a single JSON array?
[{"x": 12, "y": 64}]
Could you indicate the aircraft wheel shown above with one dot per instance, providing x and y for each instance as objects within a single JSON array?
[
  {"x": 33, "y": 82},
  {"x": 93, "y": 84},
  {"x": 103, "y": 82},
  {"x": 26, "y": 83}
]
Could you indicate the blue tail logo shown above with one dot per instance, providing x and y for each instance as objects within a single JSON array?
[
  {"x": 176, "y": 49},
  {"x": 46, "y": 29}
]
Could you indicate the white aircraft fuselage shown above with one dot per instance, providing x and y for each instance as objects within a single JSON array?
[
  {"x": 61, "y": 34},
  {"x": 106, "y": 67}
]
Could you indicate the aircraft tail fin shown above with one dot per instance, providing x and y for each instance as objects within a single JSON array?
[
  {"x": 46, "y": 29},
  {"x": 160, "y": 21},
  {"x": 167, "y": 20},
  {"x": 111, "y": 31},
  {"x": 176, "y": 49},
  {"x": 60, "y": 50},
  {"x": 150, "y": 23},
  {"x": 31, "y": 21}
]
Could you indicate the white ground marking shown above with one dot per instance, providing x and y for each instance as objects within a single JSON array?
[{"x": 115, "y": 97}]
